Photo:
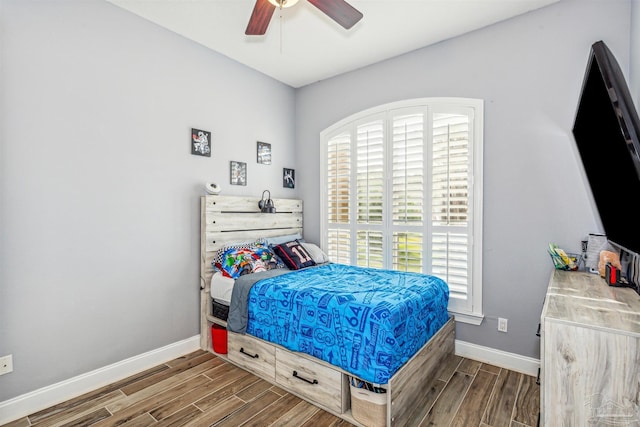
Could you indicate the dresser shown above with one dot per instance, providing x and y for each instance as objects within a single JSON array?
[{"x": 590, "y": 352}]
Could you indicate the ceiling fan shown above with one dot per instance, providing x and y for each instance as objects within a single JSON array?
[{"x": 338, "y": 10}]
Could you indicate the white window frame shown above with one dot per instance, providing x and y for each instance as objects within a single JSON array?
[{"x": 469, "y": 311}]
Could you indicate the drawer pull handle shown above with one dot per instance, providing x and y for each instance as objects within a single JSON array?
[
  {"x": 538, "y": 378},
  {"x": 295, "y": 374},
  {"x": 254, "y": 356},
  {"x": 538, "y": 333}
]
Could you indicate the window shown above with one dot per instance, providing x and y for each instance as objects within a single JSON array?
[{"x": 402, "y": 190}]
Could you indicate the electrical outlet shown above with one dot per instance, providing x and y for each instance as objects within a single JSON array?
[
  {"x": 502, "y": 324},
  {"x": 6, "y": 364}
]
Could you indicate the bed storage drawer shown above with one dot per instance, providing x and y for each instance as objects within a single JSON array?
[
  {"x": 315, "y": 381},
  {"x": 252, "y": 354}
]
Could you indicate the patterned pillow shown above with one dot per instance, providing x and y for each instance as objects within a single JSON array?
[
  {"x": 238, "y": 245},
  {"x": 294, "y": 255},
  {"x": 240, "y": 261}
]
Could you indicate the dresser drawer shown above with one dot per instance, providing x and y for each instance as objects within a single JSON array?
[
  {"x": 252, "y": 354},
  {"x": 320, "y": 383}
]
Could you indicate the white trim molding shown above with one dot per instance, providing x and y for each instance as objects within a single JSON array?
[
  {"x": 502, "y": 359},
  {"x": 34, "y": 401},
  {"x": 472, "y": 319}
]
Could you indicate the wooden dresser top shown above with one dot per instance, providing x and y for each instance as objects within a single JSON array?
[{"x": 586, "y": 299}]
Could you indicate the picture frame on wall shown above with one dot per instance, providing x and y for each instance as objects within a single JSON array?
[
  {"x": 238, "y": 173},
  {"x": 264, "y": 153},
  {"x": 200, "y": 142},
  {"x": 288, "y": 178}
]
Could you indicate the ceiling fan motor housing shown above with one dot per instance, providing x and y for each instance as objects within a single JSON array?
[
  {"x": 283, "y": 3},
  {"x": 338, "y": 10}
]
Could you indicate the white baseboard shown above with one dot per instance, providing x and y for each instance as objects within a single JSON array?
[
  {"x": 28, "y": 403},
  {"x": 502, "y": 359}
]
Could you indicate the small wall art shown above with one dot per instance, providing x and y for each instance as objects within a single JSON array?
[
  {"x": 288, "y": 178},
  {"x": 200, "y": 142},
  {"x": 264, "y": 153},
  {"x": 238, "y": 173}
]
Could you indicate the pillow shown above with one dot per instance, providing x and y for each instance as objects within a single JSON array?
[
  {"x": 316, "y": 253},
  {"x": 235, "y": 245},
  {"x": 277, "y": 240},
  {"x": 294, "y": 255},
  {"x": 241, "y": 261}
]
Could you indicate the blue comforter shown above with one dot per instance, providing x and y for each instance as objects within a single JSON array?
[{"x": 366, "y": 321}]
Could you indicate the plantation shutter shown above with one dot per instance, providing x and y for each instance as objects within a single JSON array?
[
  {"x": 407, "y": 190},
  {"x": 338, "y": 198},
  {"x": 370, "y": 193},
  {"x": 450, "y": 202}
]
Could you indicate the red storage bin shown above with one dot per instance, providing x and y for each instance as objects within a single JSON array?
[{"x": 219, "y": 339}]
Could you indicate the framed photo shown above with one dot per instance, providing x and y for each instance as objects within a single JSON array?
[
  {"x": 238, "y": 173},
  {"x": 288, "y": 178},
  {"x": 264, "y": 153},
  {"x": 200, "y": 142}
]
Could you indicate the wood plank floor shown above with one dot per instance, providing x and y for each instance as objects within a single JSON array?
[{"x": 201, "y": 389}]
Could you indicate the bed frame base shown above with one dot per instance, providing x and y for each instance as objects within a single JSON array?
[{"x": 407, "y": 391}]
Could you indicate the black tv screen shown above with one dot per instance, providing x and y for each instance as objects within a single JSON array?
[{"x": 606, "y": 130}]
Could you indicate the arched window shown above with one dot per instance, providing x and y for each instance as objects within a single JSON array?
[{"x": 402, "y": 190}]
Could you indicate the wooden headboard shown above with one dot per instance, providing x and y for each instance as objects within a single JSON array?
[{"x": 228, "y": 219}]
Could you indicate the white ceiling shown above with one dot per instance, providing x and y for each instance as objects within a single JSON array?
[{"x": 302, "y": 45}]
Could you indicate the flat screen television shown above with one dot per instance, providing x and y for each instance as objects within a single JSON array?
[{"x": 606, "y": 131}]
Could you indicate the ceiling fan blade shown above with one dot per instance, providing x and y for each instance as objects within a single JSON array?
[
  {"x": 339, "y": 10},
  {"x": 260, "y": 17}
]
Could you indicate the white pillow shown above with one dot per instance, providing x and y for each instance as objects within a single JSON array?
[
  {"x": 278, "y": 240},
  {"x": 316, "y": 253}
]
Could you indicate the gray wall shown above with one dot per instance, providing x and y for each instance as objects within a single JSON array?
[
  {"x": 99, "y": 206},
  {"x": 529, "y": 71},
  {"x": 99, "y": 194}
]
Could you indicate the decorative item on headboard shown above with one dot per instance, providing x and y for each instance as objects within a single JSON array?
[
  {"x": 267, "y": 205},
  {"x": 212, "y": 188}
]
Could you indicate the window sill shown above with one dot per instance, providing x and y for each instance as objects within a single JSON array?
[{"x": 471, "y": 318}]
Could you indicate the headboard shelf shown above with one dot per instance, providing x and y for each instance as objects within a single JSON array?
[
  {"x": 231, "y": 219},
  {"x": 237, "y": 204}
]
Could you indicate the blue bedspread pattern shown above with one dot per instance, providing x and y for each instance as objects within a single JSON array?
[{"x": 366, "y": 321}]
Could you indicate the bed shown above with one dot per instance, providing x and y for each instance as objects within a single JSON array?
[{"x": 389, "y": 330}]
